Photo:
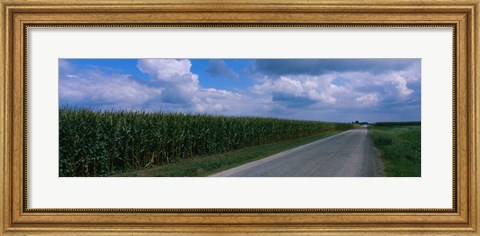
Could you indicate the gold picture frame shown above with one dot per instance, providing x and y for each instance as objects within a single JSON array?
[{"x": 18, "y": 15}]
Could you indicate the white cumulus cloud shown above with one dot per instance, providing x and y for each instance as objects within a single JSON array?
[
  {"x": 181, "y": 86},
  {"x": 102, "y": 90},
  {"x": 173, "y": 87}
]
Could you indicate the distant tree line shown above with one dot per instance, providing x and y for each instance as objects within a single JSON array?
[{"x": 398, "y": 123}]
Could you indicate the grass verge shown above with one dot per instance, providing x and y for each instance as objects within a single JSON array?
[
  {"x": 207, "y": 165},
  {"x": 400, "y": 148}
]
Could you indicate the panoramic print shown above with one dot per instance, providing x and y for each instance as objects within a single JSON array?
[{"x": 179, "y": 117}]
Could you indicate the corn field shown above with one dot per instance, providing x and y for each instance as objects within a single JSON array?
[{"x": 102, "y": 143}]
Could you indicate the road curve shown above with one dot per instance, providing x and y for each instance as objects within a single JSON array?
[{"x": 348, "y": 154}]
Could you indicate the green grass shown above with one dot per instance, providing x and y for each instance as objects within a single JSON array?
[
  {"x": 208, "y": 165},
  {"x": 400, "y": 148},
  {"x": 104, "y": 143}
]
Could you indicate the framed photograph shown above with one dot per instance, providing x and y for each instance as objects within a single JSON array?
[{"x": 239, "y": 117}]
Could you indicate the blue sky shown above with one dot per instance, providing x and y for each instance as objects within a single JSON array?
[{"x": 342, "y": 90}]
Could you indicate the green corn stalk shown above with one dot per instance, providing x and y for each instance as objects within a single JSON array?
[{"x": 102, "y": 143}]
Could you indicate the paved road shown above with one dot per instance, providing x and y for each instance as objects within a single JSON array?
[{"x": 348, "y": 154}]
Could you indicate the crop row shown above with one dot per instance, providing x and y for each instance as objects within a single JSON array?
[{"x": 101, "y": 143}]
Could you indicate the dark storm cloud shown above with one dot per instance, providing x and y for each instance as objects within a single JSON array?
[
  {"x": 220, "y": 69},
  {"x": 342, "y": 90},
  {"x": 321, "y": 66},
  {"x": 291, "y": 101}
]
